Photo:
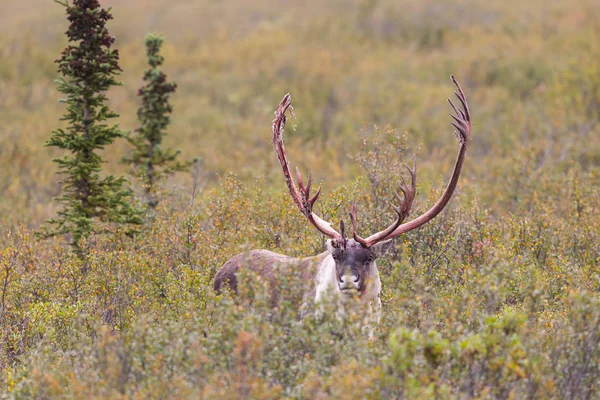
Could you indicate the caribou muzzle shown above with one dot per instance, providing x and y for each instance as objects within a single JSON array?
[{"x": 349, "y": 283}]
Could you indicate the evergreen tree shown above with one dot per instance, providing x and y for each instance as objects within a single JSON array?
[
  {"x": 89, "y": 68},
  {"x": 150, "y": 162}
]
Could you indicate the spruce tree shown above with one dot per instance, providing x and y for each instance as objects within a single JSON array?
[
  {"x": 89, "y": 67},
  {"x": 149, "y": 161}
]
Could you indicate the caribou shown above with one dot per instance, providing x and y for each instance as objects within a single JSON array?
[{"x": 348, "y": 267}]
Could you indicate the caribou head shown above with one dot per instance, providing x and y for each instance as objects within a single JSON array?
[
  {"x": 353, "y": 266},
  {"x": 348, "y": 265}
]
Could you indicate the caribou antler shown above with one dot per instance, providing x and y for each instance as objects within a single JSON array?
[
  {"x": 300, "y": 193},
  {"x": 462, "y": 123},
  {"x": 403, "y": 210}
]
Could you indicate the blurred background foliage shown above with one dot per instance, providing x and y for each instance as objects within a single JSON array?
[{"x": 496, "y": 298}]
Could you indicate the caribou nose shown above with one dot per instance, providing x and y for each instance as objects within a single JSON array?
[{"x": 349, "y": 278}]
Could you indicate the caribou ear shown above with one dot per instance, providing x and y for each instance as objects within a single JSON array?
[
  {"x": 330, "y": 246},
  {"x": 381, "y": 248}
]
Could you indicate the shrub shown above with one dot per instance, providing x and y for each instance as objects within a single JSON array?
[{"x": 89, "y": 69}]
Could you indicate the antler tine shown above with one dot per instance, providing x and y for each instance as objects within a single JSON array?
[
  {"x": 307, "y": 188},
  {"x": 409, "y": 191},
  {"x": 463, "y": 118},
  {"x": 462, "y": 123},
  {"x": 402, "y": 210},
  {"x": 382, "y": 235},
  {"x": 300, "y": 194},
  {"x": 301, "y": 183},
  {"x": 315, "y": 197},
  {"x": 462, "y": 98},
  {"x": 357, "y": 238},
  {"x": 400, "y": 199},
  {"x": 456, "y": 109},
  {"x": 412, "y": 172},
  {"x": 398, "y": 209}
]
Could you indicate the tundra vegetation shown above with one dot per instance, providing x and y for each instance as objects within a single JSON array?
[
  {"x": 148, "y": 160},
  {"x": 88, "y": 67},
  {"x": 498, "y": 297}
]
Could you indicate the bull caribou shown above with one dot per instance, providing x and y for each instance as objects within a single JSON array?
[{"x": 348, "y": 266}]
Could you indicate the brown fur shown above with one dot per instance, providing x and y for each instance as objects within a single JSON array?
[{"x": 266, "y": 263}]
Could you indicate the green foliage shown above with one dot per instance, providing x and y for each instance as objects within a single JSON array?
[
  {"x": 89, "y": 68},
  {"x": 469, "y": 309},
  {"x": 150, "y": 162}
]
